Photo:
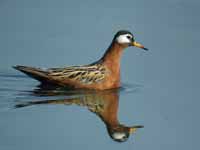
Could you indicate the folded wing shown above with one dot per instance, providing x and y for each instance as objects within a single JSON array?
[{"x": 82, "y": 74}]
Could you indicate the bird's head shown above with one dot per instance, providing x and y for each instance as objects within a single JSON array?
[
  {"x": 126, "y": 39},
  {"x": 121, "y": 133}
]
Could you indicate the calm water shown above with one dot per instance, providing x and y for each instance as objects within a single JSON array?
[{"x": 160, "y": 87}]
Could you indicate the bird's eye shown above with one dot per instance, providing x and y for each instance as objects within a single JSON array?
[{"x": 129, "y": 37}]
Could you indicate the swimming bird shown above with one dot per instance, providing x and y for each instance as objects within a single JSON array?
[{"x": 100, "y": 75}]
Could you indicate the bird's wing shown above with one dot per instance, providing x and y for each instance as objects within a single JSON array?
[{"x": 83, "y": 74}]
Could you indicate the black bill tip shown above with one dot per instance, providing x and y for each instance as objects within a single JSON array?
[
  {"x": 138, "y": 126},
  {"x": 146, "y": 49}
]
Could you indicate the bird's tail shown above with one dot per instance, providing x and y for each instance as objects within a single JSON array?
[{"x": 35, "y": 73}]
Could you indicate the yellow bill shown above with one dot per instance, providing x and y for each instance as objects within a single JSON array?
[{"x": 136, "y": 44}]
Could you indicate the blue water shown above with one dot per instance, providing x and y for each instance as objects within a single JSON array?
[
  {"x": 160, "y": 88},
  {"x": 22, "y": 96},
  {"x": 57, "y": 122}
]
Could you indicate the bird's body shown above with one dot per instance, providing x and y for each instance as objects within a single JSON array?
[{"x": 103, "y": 74}]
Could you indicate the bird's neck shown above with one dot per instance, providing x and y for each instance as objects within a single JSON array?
[
  {"x": 113, "y": 54},
  {"x": 110, "y": 109},
  {"x": 111, "y": 59}
]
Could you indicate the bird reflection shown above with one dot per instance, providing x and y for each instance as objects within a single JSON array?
[{"x": 103, "y": 103}]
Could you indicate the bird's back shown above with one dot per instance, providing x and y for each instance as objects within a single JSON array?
[{"x": 74, "y": 76}]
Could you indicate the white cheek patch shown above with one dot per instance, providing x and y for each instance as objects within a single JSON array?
[
  {"x": 118, "y": 136},
  {"x": 122, "y": 39}
]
